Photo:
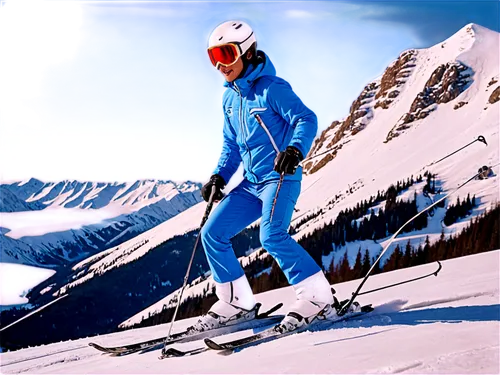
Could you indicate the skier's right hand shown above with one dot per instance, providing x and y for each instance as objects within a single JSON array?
[{"x": 219, "y": 183}]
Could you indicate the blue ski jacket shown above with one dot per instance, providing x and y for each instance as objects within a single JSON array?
[{"x": 286, "y": 121}]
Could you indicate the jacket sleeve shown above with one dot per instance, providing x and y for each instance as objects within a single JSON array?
[
  {"x": 230, "y": 157},
  {"x": 288, "y": 105}
]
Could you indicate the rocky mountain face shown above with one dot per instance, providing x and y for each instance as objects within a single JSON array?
[
  {"x": 394, "y": 77},
  {"x": 340, "y": 132},
  {"x": 443, "y": 78},
  {"x": 377, "y": 94},
  {"x": 445, "y": 84},
  {"x": 495, "y": 95}
]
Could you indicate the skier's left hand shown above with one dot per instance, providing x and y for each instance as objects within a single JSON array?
[{"x": 287, "y": 161}]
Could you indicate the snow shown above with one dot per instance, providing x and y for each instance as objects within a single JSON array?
[
  {"x": 444, "y": 324},
  {"x": 17, "y": 280},
  {"x": 50, "y": 220}
]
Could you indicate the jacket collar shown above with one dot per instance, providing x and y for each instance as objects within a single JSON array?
[{"x": 253, "y": 73}]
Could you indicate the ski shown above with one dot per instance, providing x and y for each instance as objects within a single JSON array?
[
  {"x": 186, "y": 336},
  {"x": 172, "y": 352},
  {"x": 265, "y": 336},
  {"x": 271, "y": 334}
]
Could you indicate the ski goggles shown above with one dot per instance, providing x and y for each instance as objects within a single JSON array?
[{"x": 225, "y": 54}]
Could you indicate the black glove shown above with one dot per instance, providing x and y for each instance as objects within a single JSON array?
[
  {"x": 287, "y": 161},
  {"x": 219, "y": 183}
]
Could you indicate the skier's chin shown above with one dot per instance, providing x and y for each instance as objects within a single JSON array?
[{"x": 230, "y": 76}]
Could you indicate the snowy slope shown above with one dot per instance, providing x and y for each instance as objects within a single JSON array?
[
  {"x": 56, "y": 222},
  {"x": 448, "y": 324},
  {"x": 366, "y": 158},
  {"x": 193, "y": 289}
]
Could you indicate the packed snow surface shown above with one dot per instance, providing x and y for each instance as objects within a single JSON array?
[
  {"x": 16, "y": 280},
  {"x": 444, "y": 324}
]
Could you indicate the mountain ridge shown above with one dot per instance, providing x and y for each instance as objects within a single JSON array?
[
  {"x": 383, "y": 93},
  {"x": 53, "y": 223}
]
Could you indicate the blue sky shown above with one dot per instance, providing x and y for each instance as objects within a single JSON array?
[{"x": 116, "y": 91}]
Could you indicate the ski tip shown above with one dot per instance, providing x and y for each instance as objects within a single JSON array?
[
  {"x": 171, "y": 352},
  {"x": 367, "y": 308},
  {"x": 212, "y": 344}
]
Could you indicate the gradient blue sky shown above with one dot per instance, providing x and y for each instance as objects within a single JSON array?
[{"x": 118, "y": 91}]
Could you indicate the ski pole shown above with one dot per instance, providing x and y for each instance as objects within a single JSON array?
[
  {"x": 479, "y": 138},
  {"x": 344, "y": 308},
  {"x": 280, "y": 182},
  {"x": 181, "y": 292},
  {"x": 435, "y": 273},
  {"x": 33, "y": 312}
]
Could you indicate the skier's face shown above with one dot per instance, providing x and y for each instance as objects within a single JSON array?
[{"x": 231, "y": 72}]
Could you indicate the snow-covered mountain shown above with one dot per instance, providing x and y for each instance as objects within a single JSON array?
[
  {"x": 444, "y": 324},
  {"x": 94, "y": 195},
  {"x": 459, "y": 72},
  {"x": 404, "y": 121},
  {"x": 50, "y": 223}
]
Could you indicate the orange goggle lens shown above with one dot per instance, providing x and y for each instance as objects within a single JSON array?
[{"x": 226, "y": 54}]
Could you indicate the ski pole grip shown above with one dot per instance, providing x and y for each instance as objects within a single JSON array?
[
  {"x": 212, "y": 194},
  {"x": 209, "y": 206}
]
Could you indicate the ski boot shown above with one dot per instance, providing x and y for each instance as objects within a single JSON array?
[
  {"x": 355, "y": 306},
  {"x": 314, "y": 300},
  {"x": 236, "y": 304}
]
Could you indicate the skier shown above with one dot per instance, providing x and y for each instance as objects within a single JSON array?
[{"x": 270, "y": 130}]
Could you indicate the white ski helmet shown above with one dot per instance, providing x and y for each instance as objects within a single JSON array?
[{"x": 237, "y": 32}]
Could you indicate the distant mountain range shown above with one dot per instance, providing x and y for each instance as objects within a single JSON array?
[{"x": 52, "y": 223}]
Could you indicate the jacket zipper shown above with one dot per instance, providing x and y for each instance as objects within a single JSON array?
[
  {"x": 243, "y": 128},
  {"x": 263, "y": 125}
]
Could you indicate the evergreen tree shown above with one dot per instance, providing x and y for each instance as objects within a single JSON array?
[
  {"x": 376, "y": 268},
  {"x": 391, "y": 196},
  {"x": 344, "y": 270},
  {"x": 394, "y": 260},
  {"x": 406, "y": 258},
  {"x": 366, "y": 263},
  {"x": 358, "y": 266}
]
